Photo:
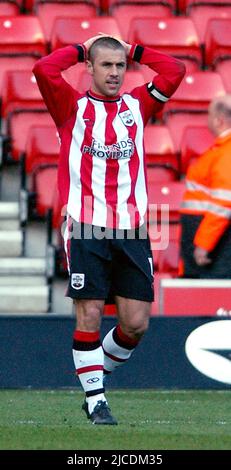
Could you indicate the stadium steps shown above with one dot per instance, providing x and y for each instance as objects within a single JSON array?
[
  {"x": 11, "y": 242},
  {"x": 11, "y": 237},
  {"x": 9, "y": 215},
  {"x": 23, "y": 266},
  {"x": 24, "y": 299},
  {"x": 23, "y": 285},
  {"x": 23, "y": 280}
]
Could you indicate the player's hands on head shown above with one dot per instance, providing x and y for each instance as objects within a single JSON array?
[{"x": 90, "y": 41}]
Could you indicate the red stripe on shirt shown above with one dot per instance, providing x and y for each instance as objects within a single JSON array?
[
  {"x": 86, "y": 166},
  {"x": 112, "y": 167},
  {"x": 133, "y": 165}
]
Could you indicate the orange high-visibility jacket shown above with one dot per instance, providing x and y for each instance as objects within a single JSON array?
[{"x": 208, "y": 192}]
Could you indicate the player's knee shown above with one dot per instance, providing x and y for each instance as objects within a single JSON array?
[
  {"x": 89, "y": 316},
  {"x": 137, "y": 328}
]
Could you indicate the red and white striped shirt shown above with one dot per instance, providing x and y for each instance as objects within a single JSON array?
[{"x": 102, "y": 176}]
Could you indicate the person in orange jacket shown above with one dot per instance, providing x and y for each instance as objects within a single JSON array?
[{"x": 206, "y": 206}]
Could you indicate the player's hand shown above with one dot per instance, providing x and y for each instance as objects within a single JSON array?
[
  {"x": 90, "y": 41},
  {"x": 201, "y": 256}
]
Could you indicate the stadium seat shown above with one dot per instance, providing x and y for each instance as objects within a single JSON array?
[
  {"x": 20, "y": 91},
  {"x": 109, "y": 5},
  {"x": 9, "y": 8},
  {"x": 168, "y": 259},
  {"x": 75, "y": 75},
  {"x": 155, "y": 307},
  {"x": 69, "y": 30},
  {"x": 161, "y": 233},
  {"x": 196, "y": 91},
  {"x": 223, "y": 67},
  {"x": 18, "y": 124},
  {"x": 159, "y": 147},
  {"x": 132, "y": 79},
  {"x": 42, "y": 147},
  {"x": 169, "y": 194},
  {"x": 47, "y": 12},
  {"x": 162, "y": 173},
  {"x": 44, "y": 187},
  {"x": 22, "y": 35},
  {"x": 178, "y": 121},
  {"x": 195, "y": 140},
  {"x": 124, "y": 13},
  {"x": 14, "y": 62},
  {"x": 176, "y": 36},
  {"x": 185, "y": 4},
  {"x": 217, "y": 40},
  {"x": 202, "y": 13}
]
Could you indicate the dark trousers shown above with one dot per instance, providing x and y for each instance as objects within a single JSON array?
[{"x": 220, "y": 268}]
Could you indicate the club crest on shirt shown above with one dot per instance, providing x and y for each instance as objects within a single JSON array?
[
  {"x": 77, "y": 280},
  {"x": 127, "y": 118}
]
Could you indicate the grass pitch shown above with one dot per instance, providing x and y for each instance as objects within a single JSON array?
[{"x": 53, "y": 420}]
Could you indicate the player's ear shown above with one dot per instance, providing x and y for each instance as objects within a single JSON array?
[{"x": 89, "y": 66}]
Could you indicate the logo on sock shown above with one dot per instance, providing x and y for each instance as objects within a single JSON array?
[
  {"x": 77, "y": 280},
  {"x": 93, "y": 380}
]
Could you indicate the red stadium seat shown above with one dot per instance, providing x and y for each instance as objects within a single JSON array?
[
  {"x": 185, "y": 4},
  {"x": 18, "y": 125},
  {"x": 217, "y": 40},
  {"x": 41, "y": 159},
  {"x": 69, "y": 30},
  {"x": 155, "y": 307},
  {"x": 132, "y": 79},
  {"x": 161, "y": 234},
  {"x": 75, "y": 75},
  {"x": 44, "y": 187},
  {"x": 169, "y": 194},
  {"x": 202, "y": 13},
  {"x": 124, "y": 13},
  {"x": 20, "y": 91},
  {"x": 22, "y": 35},
  {"x": 12, "y": 62},
  {"x": 168, "y": 259},
  {"x": 176, "y": 36},
  {"x": 177, "y": 122},
  {"x": 159, "y": 147},
  {"x": 111, "y": 4},
  {"x": 223, "y": 67},
  {"x": 195, "y": 141},
  {"x": 47, "y": 12},
  {"x": 9, "y": 9},
  {"x": 163, "y": 173},
  {"x": 196, "y": 91},
  {"x": 42, "y": 147}
]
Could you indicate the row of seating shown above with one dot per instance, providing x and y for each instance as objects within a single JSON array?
[
  {"x": 107, "y": 6},
  {"x": 182, "y": 36}
]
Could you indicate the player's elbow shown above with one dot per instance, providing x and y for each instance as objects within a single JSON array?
[
  {"x": 181, "y": 68},
  {"x": 38, "y": 68}
]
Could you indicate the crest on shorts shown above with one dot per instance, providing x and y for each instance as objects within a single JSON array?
[
  {"x": 77, "y": 280},
  {"x": 127, "y": 117}
]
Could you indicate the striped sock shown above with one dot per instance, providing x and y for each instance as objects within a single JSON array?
[
  {"x": 88, "y": 358},
  {"x": 117, "y": 348}
]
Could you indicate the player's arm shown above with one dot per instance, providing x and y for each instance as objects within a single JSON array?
[
  {"x": 169, "y": 73},
  {"x": 59, "y": 96}
]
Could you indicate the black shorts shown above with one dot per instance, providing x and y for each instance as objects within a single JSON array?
[{"x": 103, "y": 264}]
